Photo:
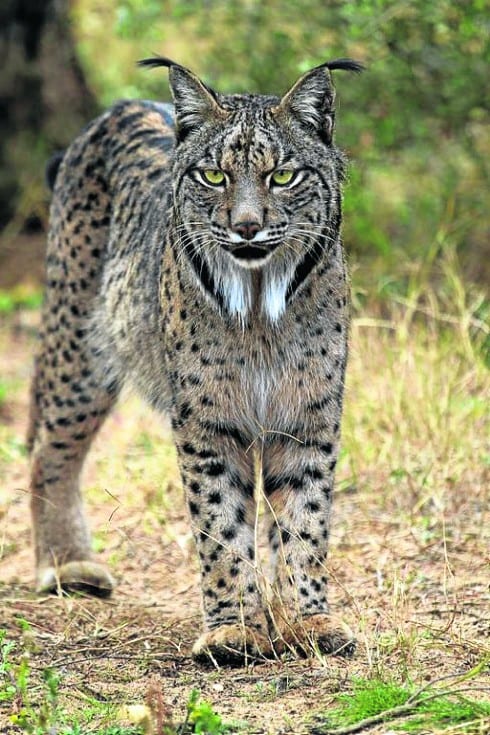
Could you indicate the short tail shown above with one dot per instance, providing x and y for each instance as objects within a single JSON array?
[{"x": 52, "y": 168}]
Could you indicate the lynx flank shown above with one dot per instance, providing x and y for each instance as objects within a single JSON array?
[{"x": 195, "y": 253}]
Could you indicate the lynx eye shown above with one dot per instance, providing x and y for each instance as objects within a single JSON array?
[
  {"x": 282, "y": 177},
  {"x": 213, "y": 176}
]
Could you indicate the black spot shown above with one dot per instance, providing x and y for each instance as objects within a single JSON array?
[
  {"x": 276, "y": 482},
  {"x": 63, "y": 422},
  {"x": 214, "y": 469},
  {"x": 285, "y": 535},
  {"x": 227, "y": 430},
  {"x": 318, "y": 405},
  {"x": 185, "y": 411},
  {"x": 240, "y": 514},
  {"x": 206, "y": 453},
  {"x": 314, "y": 473},
  {"x": 312, "y": 506}
]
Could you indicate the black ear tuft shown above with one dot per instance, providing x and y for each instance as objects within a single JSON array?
[
  {"x": 157, "y": 61},
  {"x": 311, "y": 100},
  {"x": 195, "y": 102},
  {"x": 345, "y": 65}
]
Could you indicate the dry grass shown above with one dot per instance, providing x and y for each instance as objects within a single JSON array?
[{"x": 409, "y": 549}]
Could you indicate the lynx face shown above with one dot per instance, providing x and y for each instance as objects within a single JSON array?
[
  {"x": 256, "y": 194},
  {"x": 258, "y": 187}
]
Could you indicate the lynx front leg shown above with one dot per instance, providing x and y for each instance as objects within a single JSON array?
[
  {"x": 218, "y": 480},
  {"x": 298, "y": 484}
]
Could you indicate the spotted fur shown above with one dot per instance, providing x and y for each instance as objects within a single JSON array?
[{"x": 226, "y": 306}]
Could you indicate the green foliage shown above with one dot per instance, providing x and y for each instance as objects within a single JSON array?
[
  {"x": 3, "y": 393},
  {"x": 368, "y": 698},
  {"x": 7, "y": 688},
  {"x": 11, "y": 447},
  {"x": 448, "y": 712},
  {"x": 202, "y": 718},
  {"x": 44, "y": 714},
  {"x": 19, "y": 298},
  {"x": 414, "y": 122},
  {"x": 426, "y": 710}
]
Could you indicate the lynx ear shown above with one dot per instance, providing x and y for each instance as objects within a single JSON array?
[
  {"x": 195, "y": 102},
  {"x": 311, "y": 99}
]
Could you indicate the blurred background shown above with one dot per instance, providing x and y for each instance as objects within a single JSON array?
[{"x": 414, "y": 125}]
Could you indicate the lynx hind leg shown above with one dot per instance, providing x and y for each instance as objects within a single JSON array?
[{"x": 68, "y": 404}]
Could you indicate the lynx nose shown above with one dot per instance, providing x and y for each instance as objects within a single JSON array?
[{"x": 247, "y": 229}]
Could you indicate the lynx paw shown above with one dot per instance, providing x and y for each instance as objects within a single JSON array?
[
  {"x": 316, "y": 632},
  {"x": 76, "y": 576},
  {"x": 231, "y": 645}
]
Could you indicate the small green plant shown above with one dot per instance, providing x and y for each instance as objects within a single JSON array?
[
  {"x": 427, "y": 709},
  {"x": 21, "y": 297},
  {"x": 201, "y": 717},
  {"x": 14, "y": 687},
  {"x": 45, "y": 714},
  {"x": 368, "y": 699},
  {"x": 7, "y": 688}
]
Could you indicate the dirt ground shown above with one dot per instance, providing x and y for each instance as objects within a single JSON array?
[{"x": 415, "y": 591}]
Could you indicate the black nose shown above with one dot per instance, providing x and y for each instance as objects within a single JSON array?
[{"x": 247, "y": 230}]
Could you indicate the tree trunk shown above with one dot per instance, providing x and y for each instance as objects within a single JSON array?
[{"x": 44, "y": 102}]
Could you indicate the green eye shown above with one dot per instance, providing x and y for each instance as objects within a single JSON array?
[
  {"x": 282, "y": 176},
  {"x": 213, "y": 176}
]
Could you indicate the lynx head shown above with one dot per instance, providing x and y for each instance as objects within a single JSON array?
[{"x": 256, "y": 185}]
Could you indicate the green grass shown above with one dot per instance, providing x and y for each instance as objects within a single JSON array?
[
  {"x": 430, "y": 709},
  {"x": 36, "y": 710}
]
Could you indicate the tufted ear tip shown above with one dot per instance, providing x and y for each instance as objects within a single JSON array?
[
  {"x": 195, "y": 102},
  {"x": 311, "y": 99},
  {"x": 155, "y": 61},
  {"x": 346, "y": 65}
]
